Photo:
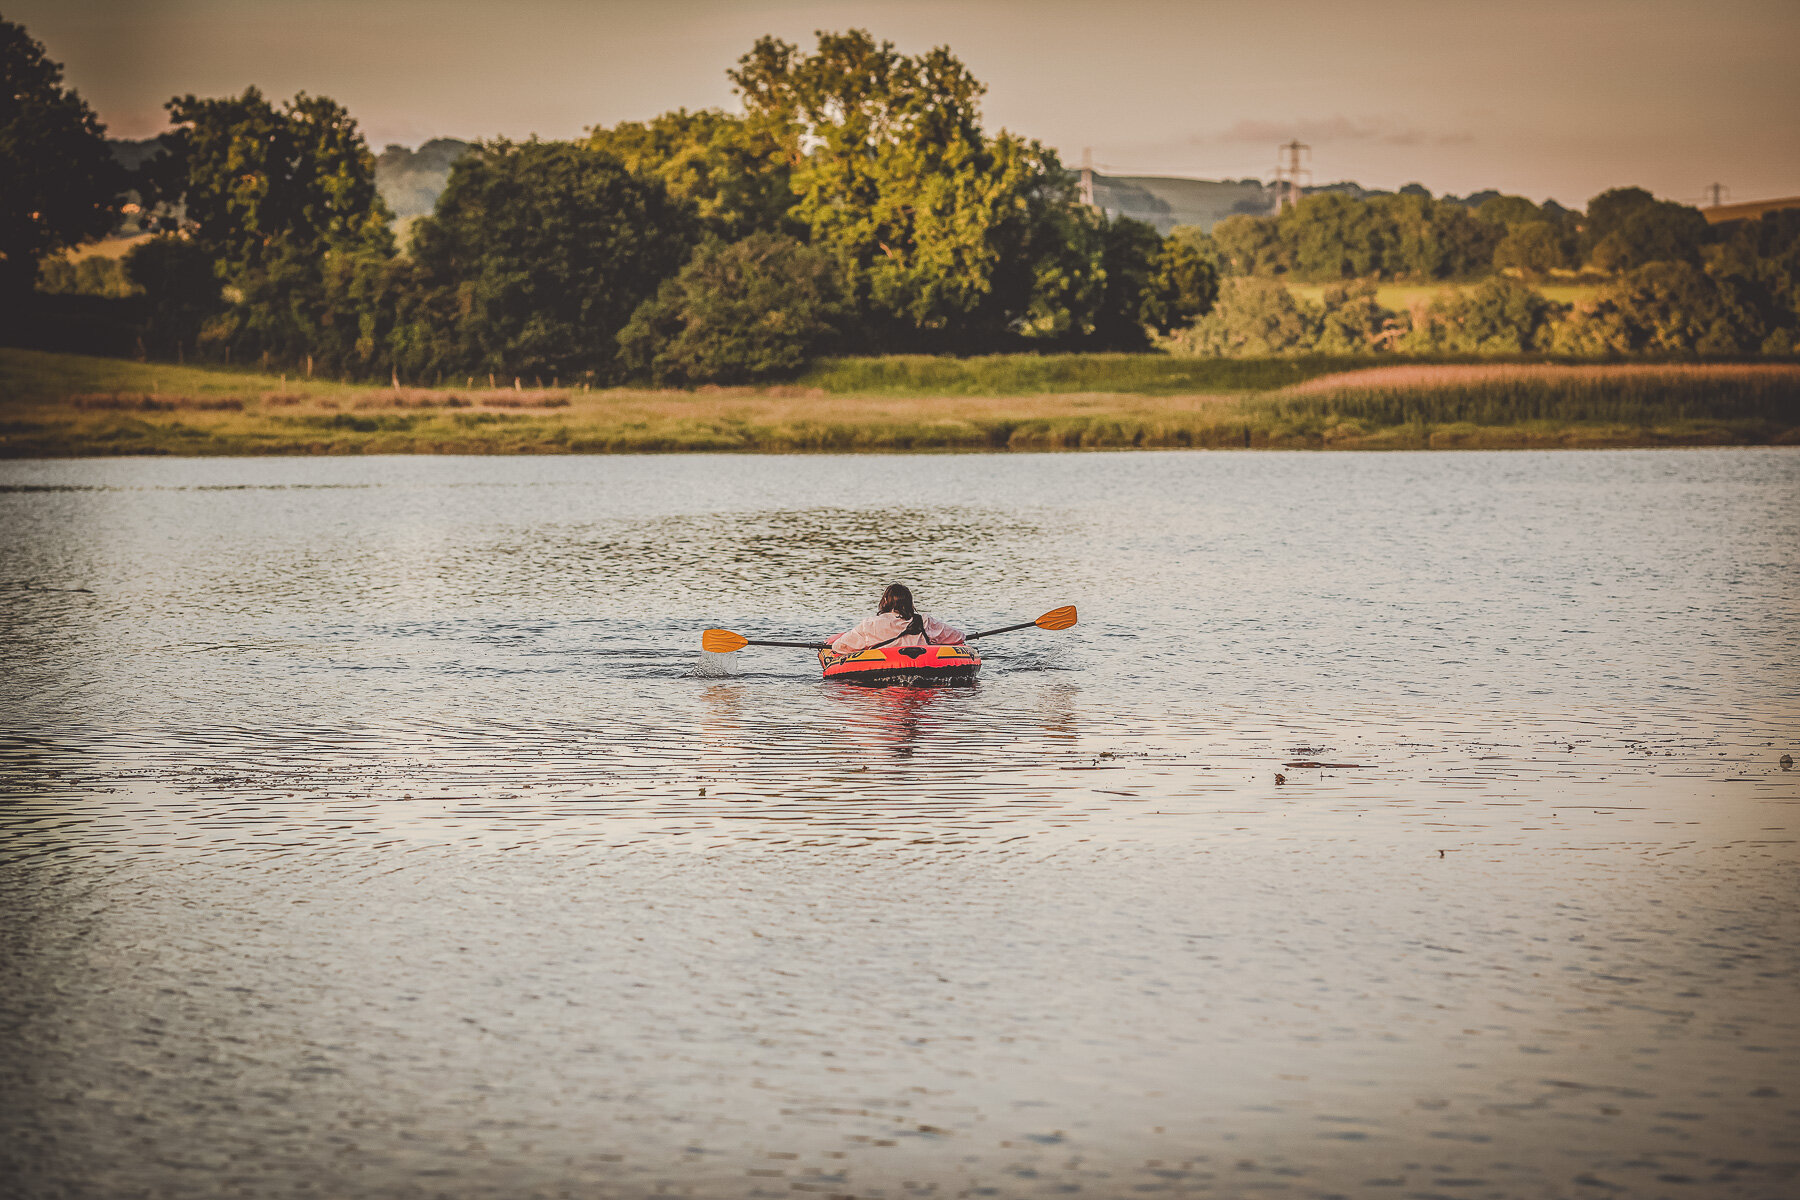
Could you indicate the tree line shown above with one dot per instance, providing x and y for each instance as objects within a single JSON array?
[
  {"x": 855, "y": 206},
  {"x": 1743, "y": 301}
]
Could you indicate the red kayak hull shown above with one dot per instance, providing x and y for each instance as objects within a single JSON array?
[{"x": 903, "y": 666}]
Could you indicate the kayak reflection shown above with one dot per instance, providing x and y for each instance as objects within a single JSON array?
[{"x": 887, "y": 720}]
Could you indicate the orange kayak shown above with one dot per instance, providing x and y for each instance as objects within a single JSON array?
[{"x": 903, "y": 666}]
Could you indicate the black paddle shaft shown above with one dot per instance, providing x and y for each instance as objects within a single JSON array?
[
  {"x": 1002, "y": 629},
  {"x": 796, "y": 645}
]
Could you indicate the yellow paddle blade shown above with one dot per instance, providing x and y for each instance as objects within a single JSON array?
[
  {"x": 1059, "y": 618},
  {"x": 722, "y": 641}
]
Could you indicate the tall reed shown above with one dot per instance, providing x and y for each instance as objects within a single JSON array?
[{"x": 1506, "y": 396}]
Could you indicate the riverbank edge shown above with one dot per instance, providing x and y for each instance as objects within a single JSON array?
[{"x": 59, "y": 406}]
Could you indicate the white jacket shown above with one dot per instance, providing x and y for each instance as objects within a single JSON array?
[{"x": 882, "y": 626}]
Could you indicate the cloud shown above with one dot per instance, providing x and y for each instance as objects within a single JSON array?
[{"x": 1384, "y": 131}]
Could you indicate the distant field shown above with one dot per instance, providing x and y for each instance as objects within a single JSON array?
[
  {"x": 65, "y": 405},
  {"x": 1402, "y": 296},
  {"x": 106, "y": 248}
]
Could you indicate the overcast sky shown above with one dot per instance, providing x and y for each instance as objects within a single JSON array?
[{"x": 1559, "y": 98}]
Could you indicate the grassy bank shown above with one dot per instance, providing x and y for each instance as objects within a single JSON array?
[
  {"x": 1054, "y": 374},
  {"x": 66, "y": 405}
]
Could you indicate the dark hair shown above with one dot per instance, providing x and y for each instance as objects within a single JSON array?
[{"x": 897, "y": 599}]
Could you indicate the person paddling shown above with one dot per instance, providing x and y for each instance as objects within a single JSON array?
[{"x": 896, "y": 623}]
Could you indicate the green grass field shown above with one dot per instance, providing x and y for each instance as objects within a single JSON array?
[{"x": 54, "y": 405}]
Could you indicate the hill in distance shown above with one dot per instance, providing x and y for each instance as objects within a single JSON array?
[
  {"x": 411, "y": 180},
  {"x": 1166, "y": 201}
]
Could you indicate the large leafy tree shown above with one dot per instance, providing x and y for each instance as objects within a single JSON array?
[
  {"x": 1434, "y": 239},
  {"x": 282, "y": 201},
  {"x": 1130, "y": 298},
  {"x": 1762, "y": 257},
  {"x": 544, "y": 250},
  {"x": 1628, "y": 227},
  {"x": 733, "y": 170},
  {"x": 1508, "y": 211},
  {"x": 1531, "y": 248},
  {"x": 1336, "y": 236},
  {"x": 183, "y": 288},
  {"x": 257, "y": 183},
  {"x": 1184, "y": 280},
  {"x": 1670, "y": 308},
  {"x": 59, "y": 185},
  {"x": 893, "y": 176},
  {"x": 1251, "y": 246}
]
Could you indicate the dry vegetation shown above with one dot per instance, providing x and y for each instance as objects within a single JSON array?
[
  {"x": 1439, "y": 375},
  {"x": 56, "y": 405}
]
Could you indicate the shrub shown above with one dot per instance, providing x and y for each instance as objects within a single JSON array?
[
  {"x": 1253, "y": 317},
  {"x": 738, "y": 312},
  {"x": 1501, "y": 316},
  {"x": 1666, "y": 308}
]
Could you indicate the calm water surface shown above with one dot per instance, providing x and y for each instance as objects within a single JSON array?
[{"x": 374, "y": 827}]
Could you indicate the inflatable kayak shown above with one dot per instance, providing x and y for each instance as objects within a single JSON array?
[{"x": 903, "y": 666}]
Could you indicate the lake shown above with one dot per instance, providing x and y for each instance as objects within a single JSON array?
[{"x": 376, "y": 827}]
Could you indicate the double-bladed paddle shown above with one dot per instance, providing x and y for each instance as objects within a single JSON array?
[{"x": 723, "y": 641}]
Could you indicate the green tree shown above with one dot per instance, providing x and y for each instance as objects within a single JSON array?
[
  {"x": 547, "y": 249},
  {"x": 282, "y": 202},
  {"x": 735, "y": 171},
  {"x": 1661, "y": 231},
  {"x": 1508, "y": 211},
  {"x": 1761, "y": 257},
  {"x": 1532, "y": 248},
  {"x": 929, "y": 217},
  {"x": 1129, "y": 257},
  {"x": 95, "y": 275},
  {"x": 1434, "y": 239},
  {"x": 1338, "y": 237},
  {"x": 183, "y": 291},
  {"x": 1251, "y": 246},
  {"x": 59, "y": 186},
  {"x": 1184, "y": 280},
  {"x": 738, "y": 312},
  {"x": 1668, "y": 308},
  {"x": 1057, "y": 267},
  {"x": 1607, "y": 212},
  {"x": 258, "y": 183}
]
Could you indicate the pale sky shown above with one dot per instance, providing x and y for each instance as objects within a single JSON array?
[{"x": 1548, "y": 98}]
